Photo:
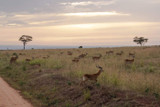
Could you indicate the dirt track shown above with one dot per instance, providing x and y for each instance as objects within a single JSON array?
[{"x": 9, "y": 97}]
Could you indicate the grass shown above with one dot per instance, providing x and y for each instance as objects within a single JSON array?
[
  {"x": 87, "y": 95},
  {"x": 142, "y": 76}
]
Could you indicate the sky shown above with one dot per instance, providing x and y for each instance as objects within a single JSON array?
[{"x": 79, "y": 22}]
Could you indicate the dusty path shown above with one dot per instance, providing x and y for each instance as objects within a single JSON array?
[{"x": 9, "y": 97}]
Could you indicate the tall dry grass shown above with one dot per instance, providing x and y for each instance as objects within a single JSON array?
[{"x": 142, "y": 76}]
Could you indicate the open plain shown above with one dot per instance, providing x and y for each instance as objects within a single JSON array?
[{"x": 51, "y": 78}]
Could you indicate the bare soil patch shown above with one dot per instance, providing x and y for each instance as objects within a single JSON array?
[{"x": 9, "y": 97}]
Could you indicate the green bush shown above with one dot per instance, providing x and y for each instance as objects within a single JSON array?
[{"x": 149, "y": 69}]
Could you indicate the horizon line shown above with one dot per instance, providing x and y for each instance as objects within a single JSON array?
[{"x": 29, "y": 47}]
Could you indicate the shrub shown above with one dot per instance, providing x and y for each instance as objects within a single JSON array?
[
  {"x": 69, "y": 83},
  {"x": 149, "y": 69},
  {"x": 24, "y": 68},
  {"x": 15, "y": 54},
  {"x": 35, "y": 62}
]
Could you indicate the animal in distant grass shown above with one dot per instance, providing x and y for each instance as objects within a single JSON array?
[
  {"x": 132, "y": 55},
  {"x": 96, "y": 57},
  {"x": 21, "y": 53},
  {"x": 46, "y": 57},
  {"x": 69, "y": 53},
  {"x": 82, "y": 55},
  {"x": 75, "y": 60},
  {"x": 119, "y": 53},
  {"x": 109, "y": 52},
  {"x": 28, "y": 60},
  {"x": 129, "y": 61},
  {"x": 13, "y": 59},
  {"x": 92, "y": 77}
]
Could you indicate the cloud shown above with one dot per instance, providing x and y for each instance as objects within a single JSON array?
[
  {"x": 2, "y": 16},
  {"x": 13, "y": 24},
  {"x": 40, "y": 22},
  {"x": 58, "y": 12},
  {"x": 155, "y": 1},
  {"x": 31, "y": 6},
  {"x": 108, "y": 25},
  {"x": 49, "y": 19},
  {"x": 26, "y": 19},
  {"x": 95, "y": 14},
  {"x": 85, "y": 3}
]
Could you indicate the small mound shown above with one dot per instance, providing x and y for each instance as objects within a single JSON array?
[{"x": 60, "y": 91}]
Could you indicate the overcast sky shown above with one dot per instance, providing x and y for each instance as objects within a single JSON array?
[{"x": 79, "y": 22}]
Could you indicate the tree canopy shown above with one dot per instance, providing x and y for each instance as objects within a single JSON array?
[
  {"x": 140, "y": 40},
  {"x": 80, "y": 46},
  {"x": 25, "y": 39}
]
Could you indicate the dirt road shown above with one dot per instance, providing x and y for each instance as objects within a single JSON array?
[{"x": 9, "y": 97}]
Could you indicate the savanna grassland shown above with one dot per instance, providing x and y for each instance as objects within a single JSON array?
[{"x": 49, "y": 78}]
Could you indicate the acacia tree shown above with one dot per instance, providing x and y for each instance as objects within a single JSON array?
[
  {"x": 80, "y": 46},
  {"x": 25, "y": 39},
  {"x": 140, "y": 40}
]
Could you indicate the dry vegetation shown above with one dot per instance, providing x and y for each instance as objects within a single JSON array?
[{"x": 52, "y": 77}]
